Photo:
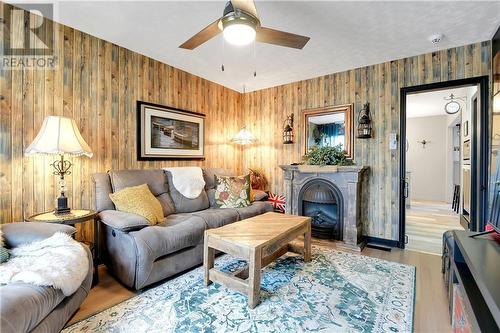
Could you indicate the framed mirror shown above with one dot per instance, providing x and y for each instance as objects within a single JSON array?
[{"x": 329, "y": 126}]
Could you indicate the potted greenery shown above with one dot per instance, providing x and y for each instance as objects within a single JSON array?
[{"x": 329, "y": 157}]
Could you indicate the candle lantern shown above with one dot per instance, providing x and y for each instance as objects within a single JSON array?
[
  {"x": 288, "y": 130},
  {"x": 365, "y": 123}
]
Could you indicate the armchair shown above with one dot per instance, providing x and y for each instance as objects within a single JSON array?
[{"x": 29, "y": 308}]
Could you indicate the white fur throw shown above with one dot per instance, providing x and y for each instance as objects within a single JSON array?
[
  {"x": 188, "y": 180},
  {"x": 58, "y": 261}
]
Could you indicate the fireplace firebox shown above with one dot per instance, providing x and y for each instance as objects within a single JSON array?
[
  {"x": 333, "y": 196},
  {"x": 322, "y": 201}
]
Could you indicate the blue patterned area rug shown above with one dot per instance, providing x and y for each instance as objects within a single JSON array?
[{"x": 336, "y": 292}]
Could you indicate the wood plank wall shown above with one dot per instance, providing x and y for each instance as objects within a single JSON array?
[
  {"x": 97, "y": 83},
  {"x": 265, "y": 110}
]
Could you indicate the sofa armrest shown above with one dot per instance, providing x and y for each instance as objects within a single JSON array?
[
  {"x": 19, "y": 233},
  {"x": 123, "y": 221},
  {"x": 260, "y": 195}
]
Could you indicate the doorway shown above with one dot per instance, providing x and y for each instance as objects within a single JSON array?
[{"x": 443, "y": 161}]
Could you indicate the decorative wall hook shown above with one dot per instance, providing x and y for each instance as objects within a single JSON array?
[{"x": 423, "y": 142}]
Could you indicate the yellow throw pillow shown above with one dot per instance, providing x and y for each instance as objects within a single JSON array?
[
  {"x": 139, "y": 200},
  {"x": 252, "y": 194}
]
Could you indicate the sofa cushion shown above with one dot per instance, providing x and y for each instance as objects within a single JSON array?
[
  {"x": 183, "y": 204},
  {"x": 178, "y": 232},
  {"x": 24, "y": 306},
  {"x": 218, "y": 217},
  {"x": 139, "y": 200},
  {"x": 211, "y": 198},
  {"x": 155, "y": 178},
  {"x": 209, "y": 176},
  {"x": 102, "y": 189},
  {"x": 257, "y": 208}
]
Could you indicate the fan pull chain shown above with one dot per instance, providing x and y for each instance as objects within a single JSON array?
[
  {"x": 254, "y": 60},
  {"x": 222, "y": 66}
]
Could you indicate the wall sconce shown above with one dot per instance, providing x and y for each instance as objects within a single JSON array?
[
  {"x": 365, "y": 123},
  {"x": 288, "y": 130}
]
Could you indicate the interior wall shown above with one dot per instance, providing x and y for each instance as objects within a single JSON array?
[
  {"x": 97, "y": 83},
  {"x": 380, "y": 84},
  {"x": 453, "y": 157},
  {"x": 427, "y": 165}
]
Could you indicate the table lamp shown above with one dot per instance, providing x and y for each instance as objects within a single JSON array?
[{"x": 60, "y": 136}]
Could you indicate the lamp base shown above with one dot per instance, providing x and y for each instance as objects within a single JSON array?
[{"x": 62, "y": 206}]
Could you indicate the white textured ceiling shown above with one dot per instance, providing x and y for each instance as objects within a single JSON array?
[
  {"x": 432, "y": 103},
  {"x": 344, "y": 35}
]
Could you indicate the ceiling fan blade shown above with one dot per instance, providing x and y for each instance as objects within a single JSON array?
[
  {"x": 281, "y": 38},
  {"x": 210, "y": 31},
  {"x": 248, "y": 6}
]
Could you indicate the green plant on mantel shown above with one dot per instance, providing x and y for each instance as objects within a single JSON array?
[{"x": 326, "y": 155}]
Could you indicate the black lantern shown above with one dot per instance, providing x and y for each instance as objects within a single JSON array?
[
  {"x": 288, "y": 130},
  {"x": 365, "y": 123}
]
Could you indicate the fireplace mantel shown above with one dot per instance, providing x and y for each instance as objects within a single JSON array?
[
  {"x": 306, "y": 168},
  {"x": 350, "y": 180}
]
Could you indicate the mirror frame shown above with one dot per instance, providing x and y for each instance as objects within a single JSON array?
[{"x": 347, "y": 109}]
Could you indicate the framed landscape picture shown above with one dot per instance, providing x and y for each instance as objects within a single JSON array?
[{"x": 169, "y": 133}]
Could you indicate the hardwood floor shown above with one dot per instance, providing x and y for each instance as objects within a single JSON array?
[
  {"x": 426, "y": 221},
  {"x": 431, "y": 304}
]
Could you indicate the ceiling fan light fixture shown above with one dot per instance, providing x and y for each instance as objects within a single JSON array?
[
  {"x": 239, "y": 28},
  {"x": 239, "y": 34},
  {"x": 240, "y": 25}
]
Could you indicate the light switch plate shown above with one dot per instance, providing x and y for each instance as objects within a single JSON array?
[{"x": 393, "y": 141}]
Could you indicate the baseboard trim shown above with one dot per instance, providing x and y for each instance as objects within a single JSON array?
[{"x": 381, "y": 243}]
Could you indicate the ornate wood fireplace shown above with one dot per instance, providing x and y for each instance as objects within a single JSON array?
[{"x": 332, "y": 196}]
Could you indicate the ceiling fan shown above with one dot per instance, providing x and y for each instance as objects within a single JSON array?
[{"x": 240, "y": 25}]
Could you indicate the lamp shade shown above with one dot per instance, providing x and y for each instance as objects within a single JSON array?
[
  {"x": 59, "y": 135},
  {"x": 244, "y": 137}
]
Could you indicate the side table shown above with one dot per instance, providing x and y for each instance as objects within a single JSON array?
[{"x": 73, "y": 217}]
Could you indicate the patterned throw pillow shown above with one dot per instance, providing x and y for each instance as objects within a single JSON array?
[
  {"x": 278, "y": 201},
  {"x": 232, "y": 192},
  {"x": 4, "y": 253},
  {"x": 139, "y": 200}
]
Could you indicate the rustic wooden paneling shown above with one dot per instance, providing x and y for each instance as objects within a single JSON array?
[
  {"x": 265, "y": 110},
  {"x": 98, "y": 83}
]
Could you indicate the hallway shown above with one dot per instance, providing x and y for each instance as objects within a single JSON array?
[{"x": 426, "y": 221}]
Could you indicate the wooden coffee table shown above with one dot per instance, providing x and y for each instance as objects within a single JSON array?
[{"x": 260, "y": 240}]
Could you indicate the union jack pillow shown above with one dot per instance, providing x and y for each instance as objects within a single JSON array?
[{"x": 278, "y": 201}]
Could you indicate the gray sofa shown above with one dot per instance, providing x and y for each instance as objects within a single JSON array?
[
  {"x": 29, "y": 308},
  {"x": 139, "y": 254}
]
